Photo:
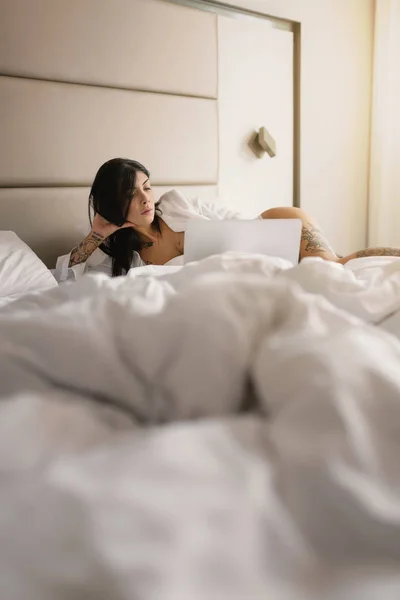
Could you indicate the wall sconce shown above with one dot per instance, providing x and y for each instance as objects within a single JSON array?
[{"x": 262, "y": 142}]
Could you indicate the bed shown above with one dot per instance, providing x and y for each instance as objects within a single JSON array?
[
  {"x": 225, "y": 429},
  {"x": 152, "y": 440}
]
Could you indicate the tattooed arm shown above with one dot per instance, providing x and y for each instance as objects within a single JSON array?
[
  {"x": 101, "y": 229},
  {"x": 81, "y": 253}
]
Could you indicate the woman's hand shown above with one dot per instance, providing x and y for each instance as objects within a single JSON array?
[{"x": 104, "y": 228}]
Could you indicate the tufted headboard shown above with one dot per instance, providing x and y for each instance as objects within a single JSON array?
[{"x": 87, "y": 80}]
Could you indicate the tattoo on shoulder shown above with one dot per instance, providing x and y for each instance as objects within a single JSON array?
[
  {"x": 147, "y": 245},
  {"x": 315, "y": 241}
]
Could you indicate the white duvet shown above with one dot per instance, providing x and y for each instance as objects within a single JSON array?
[{"x": 208, "y": 432}]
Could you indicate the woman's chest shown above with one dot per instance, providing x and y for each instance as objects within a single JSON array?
[{"x": 167, "y": 246}]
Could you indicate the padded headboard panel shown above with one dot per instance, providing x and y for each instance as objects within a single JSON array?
[
  {"x": 135, "y": 44},
  {"x": 88, "y": 80},
  {"x": 59, "y": 133}
]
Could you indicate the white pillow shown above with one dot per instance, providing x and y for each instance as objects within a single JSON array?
[{"x": 21, "y": 271}]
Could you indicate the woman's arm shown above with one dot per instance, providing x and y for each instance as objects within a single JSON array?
[
  {"x": 101, "y": 229},
  {"x": 82, "y": 251}
]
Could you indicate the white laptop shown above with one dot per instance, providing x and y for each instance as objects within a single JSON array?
[{"x": 274, "y": 237}]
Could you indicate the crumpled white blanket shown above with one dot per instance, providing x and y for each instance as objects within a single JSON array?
[{"x": 275, "y": 473}]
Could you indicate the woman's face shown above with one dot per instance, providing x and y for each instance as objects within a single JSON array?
[{"x": 141, "y": 210}]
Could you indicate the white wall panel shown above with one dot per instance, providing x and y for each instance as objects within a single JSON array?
[{"x": 255, "y": 90}]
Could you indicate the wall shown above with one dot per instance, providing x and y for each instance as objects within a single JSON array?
[
  {"x": 255, "y": 89},
  {"x": 337, "y": 44}
]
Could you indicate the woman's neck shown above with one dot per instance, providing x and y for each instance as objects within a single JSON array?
[{"x": 150, "y": 233}]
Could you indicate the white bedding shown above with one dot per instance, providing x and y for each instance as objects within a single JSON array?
[
  {"x": 287, "y": 487},
  {"x": 21, "y": 270}
]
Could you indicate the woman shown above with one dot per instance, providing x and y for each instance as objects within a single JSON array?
[{"x": 129, "y": 229}]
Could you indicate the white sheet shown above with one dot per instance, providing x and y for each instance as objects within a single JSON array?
[{"x": 301, "y": 498}]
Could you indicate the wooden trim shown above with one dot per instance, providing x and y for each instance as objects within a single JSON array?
[
  {"x": 229, "y": 10},
  {"x": 297, "y": 115}
]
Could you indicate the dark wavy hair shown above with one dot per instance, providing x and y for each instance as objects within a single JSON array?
[{"x": 111, "y": 196}]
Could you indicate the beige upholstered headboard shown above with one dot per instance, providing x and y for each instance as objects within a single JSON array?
[{"x": 87, "y": 80}]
